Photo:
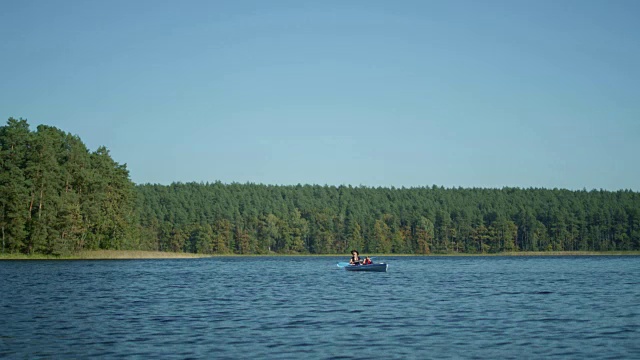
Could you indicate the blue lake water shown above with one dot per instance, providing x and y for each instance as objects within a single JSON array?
[{"x": 306, "y": 307}]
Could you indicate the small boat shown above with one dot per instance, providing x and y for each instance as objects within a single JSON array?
[{"x": 381, "y": 267}]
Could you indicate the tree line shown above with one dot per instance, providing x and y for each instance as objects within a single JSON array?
[
  {"x": 253, "y": 218},
  {"x": 57, "y": 197}
]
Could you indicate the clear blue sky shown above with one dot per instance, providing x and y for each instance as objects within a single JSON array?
[{"x": 377, "y": 93}]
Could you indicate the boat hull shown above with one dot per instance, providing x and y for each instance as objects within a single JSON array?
[{"x": 370, "y": 267}]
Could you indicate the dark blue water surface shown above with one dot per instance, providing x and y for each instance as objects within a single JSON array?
[{"x": 306, "y": 307}]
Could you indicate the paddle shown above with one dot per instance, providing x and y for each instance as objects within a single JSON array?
[{"x": 343, "y": 264}]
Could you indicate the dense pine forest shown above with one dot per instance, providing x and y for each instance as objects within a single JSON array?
[{"x": 57, "y": 197}]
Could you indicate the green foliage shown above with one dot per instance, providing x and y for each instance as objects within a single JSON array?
[
  {"x": 327, "y": 219},
  {"x": 14, "y": 187},
  {"x": 56, "y": 198}
]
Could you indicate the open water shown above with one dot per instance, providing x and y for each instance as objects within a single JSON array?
[{"x": 306, "y": 307}]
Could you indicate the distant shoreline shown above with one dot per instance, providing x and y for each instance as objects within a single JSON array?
[
  {"x": 105, "y": 255},
  {"x": 134, "y": 254}
]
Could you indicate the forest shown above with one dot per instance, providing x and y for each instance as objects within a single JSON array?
[{"x": 58, "y": 197}]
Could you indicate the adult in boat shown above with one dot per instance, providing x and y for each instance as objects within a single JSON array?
[{"x": 355, "y": 258}]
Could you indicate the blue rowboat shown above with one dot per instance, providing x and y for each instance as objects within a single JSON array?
[{"x": 382, "y": 267}]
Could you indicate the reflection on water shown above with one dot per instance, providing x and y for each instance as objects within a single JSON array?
[{"x": 294, "y": 307}]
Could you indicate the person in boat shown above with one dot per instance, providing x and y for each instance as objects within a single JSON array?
[
  {"x": 367, "y": 261},
  {"x": 355, "y": 258}
]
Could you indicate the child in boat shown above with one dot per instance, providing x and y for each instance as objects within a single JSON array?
[
  {"x": 367, "y": 261},
  {"x": 355, "y": 258}
]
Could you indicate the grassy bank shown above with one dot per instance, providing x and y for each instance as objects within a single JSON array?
[
  {"x": 133, "y": 254},
  {"x": 104, "y": 255},
  {"x": 570, "y": 253}
]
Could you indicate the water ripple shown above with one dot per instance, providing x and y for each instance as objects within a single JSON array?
[{"x": 288, "y": 308}]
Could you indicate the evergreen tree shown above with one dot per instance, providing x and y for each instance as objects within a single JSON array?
[{"x": 14, "y": 186}]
